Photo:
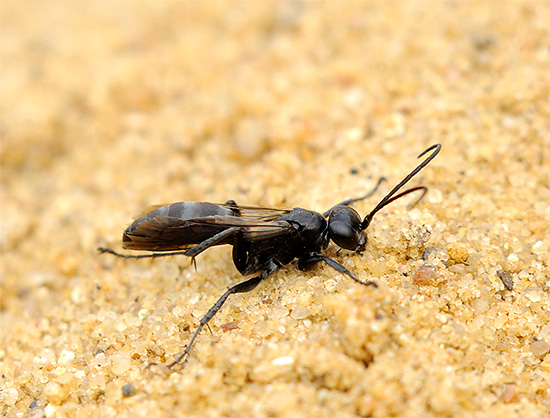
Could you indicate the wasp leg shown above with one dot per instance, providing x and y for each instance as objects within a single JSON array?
[
  {"x": 243, "y": 287},
  {"x": 234, "y": 207},
  {"x": 103, "y": 250},
  {"x": 210, "y": 242},
  {"x": 309, "y": 260},
  {"x": 191, "y": 252}
]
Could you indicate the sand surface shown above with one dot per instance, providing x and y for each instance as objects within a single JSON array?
[{"x": 109, "y": 107}]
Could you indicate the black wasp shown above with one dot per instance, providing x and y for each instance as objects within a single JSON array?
[{"x": 263, "y": 239}]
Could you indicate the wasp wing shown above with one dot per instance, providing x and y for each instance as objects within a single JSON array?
[
  {"x": 165, "y": 233},
  {"x": 256, "y": 212}
]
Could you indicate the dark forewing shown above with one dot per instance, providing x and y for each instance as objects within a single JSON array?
[{"x": 164, "y": 233}]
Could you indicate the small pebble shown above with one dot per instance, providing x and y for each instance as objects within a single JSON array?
[
  {"x": 506, "y": 279},
  {"x": 429, "y": 251},
  {"x": 120, "y": 364},
  {"x": 424, "y": 275},
  {"x": 510, "y": 392},
  {"x": 10, "y": 396},
  {"x": 539, "y": 348},
  {"x": 55, "y": 392},
  {"x": 228, "y": 326},
  {"x": 283, "y": 361},
  {"x": 128, "y": 390},
  {"x": 299, "y": 312},
  {"x": 458, "y": 253}
]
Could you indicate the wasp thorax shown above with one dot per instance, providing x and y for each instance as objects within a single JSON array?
[{"x": 344, "y": 228}]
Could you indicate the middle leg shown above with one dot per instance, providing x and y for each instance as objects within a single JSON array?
[{"x": 242, "y": 287}]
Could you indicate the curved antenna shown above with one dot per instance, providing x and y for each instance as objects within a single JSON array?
[
  {"x": 390, "y": 196},
  {"x": 356, "y": 199}
]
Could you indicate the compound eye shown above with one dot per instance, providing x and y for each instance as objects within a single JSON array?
[
  {"x": 343, "y": 235},
  {"x": 344, "y": 227}
]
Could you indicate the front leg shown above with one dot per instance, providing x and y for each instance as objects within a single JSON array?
[{"x": 308, "y": 260}]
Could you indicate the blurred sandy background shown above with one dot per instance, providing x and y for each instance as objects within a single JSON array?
[{"x": 109, "y": 107}]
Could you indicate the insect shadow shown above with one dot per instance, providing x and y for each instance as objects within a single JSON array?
[{"x": 263, "y": 239}]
